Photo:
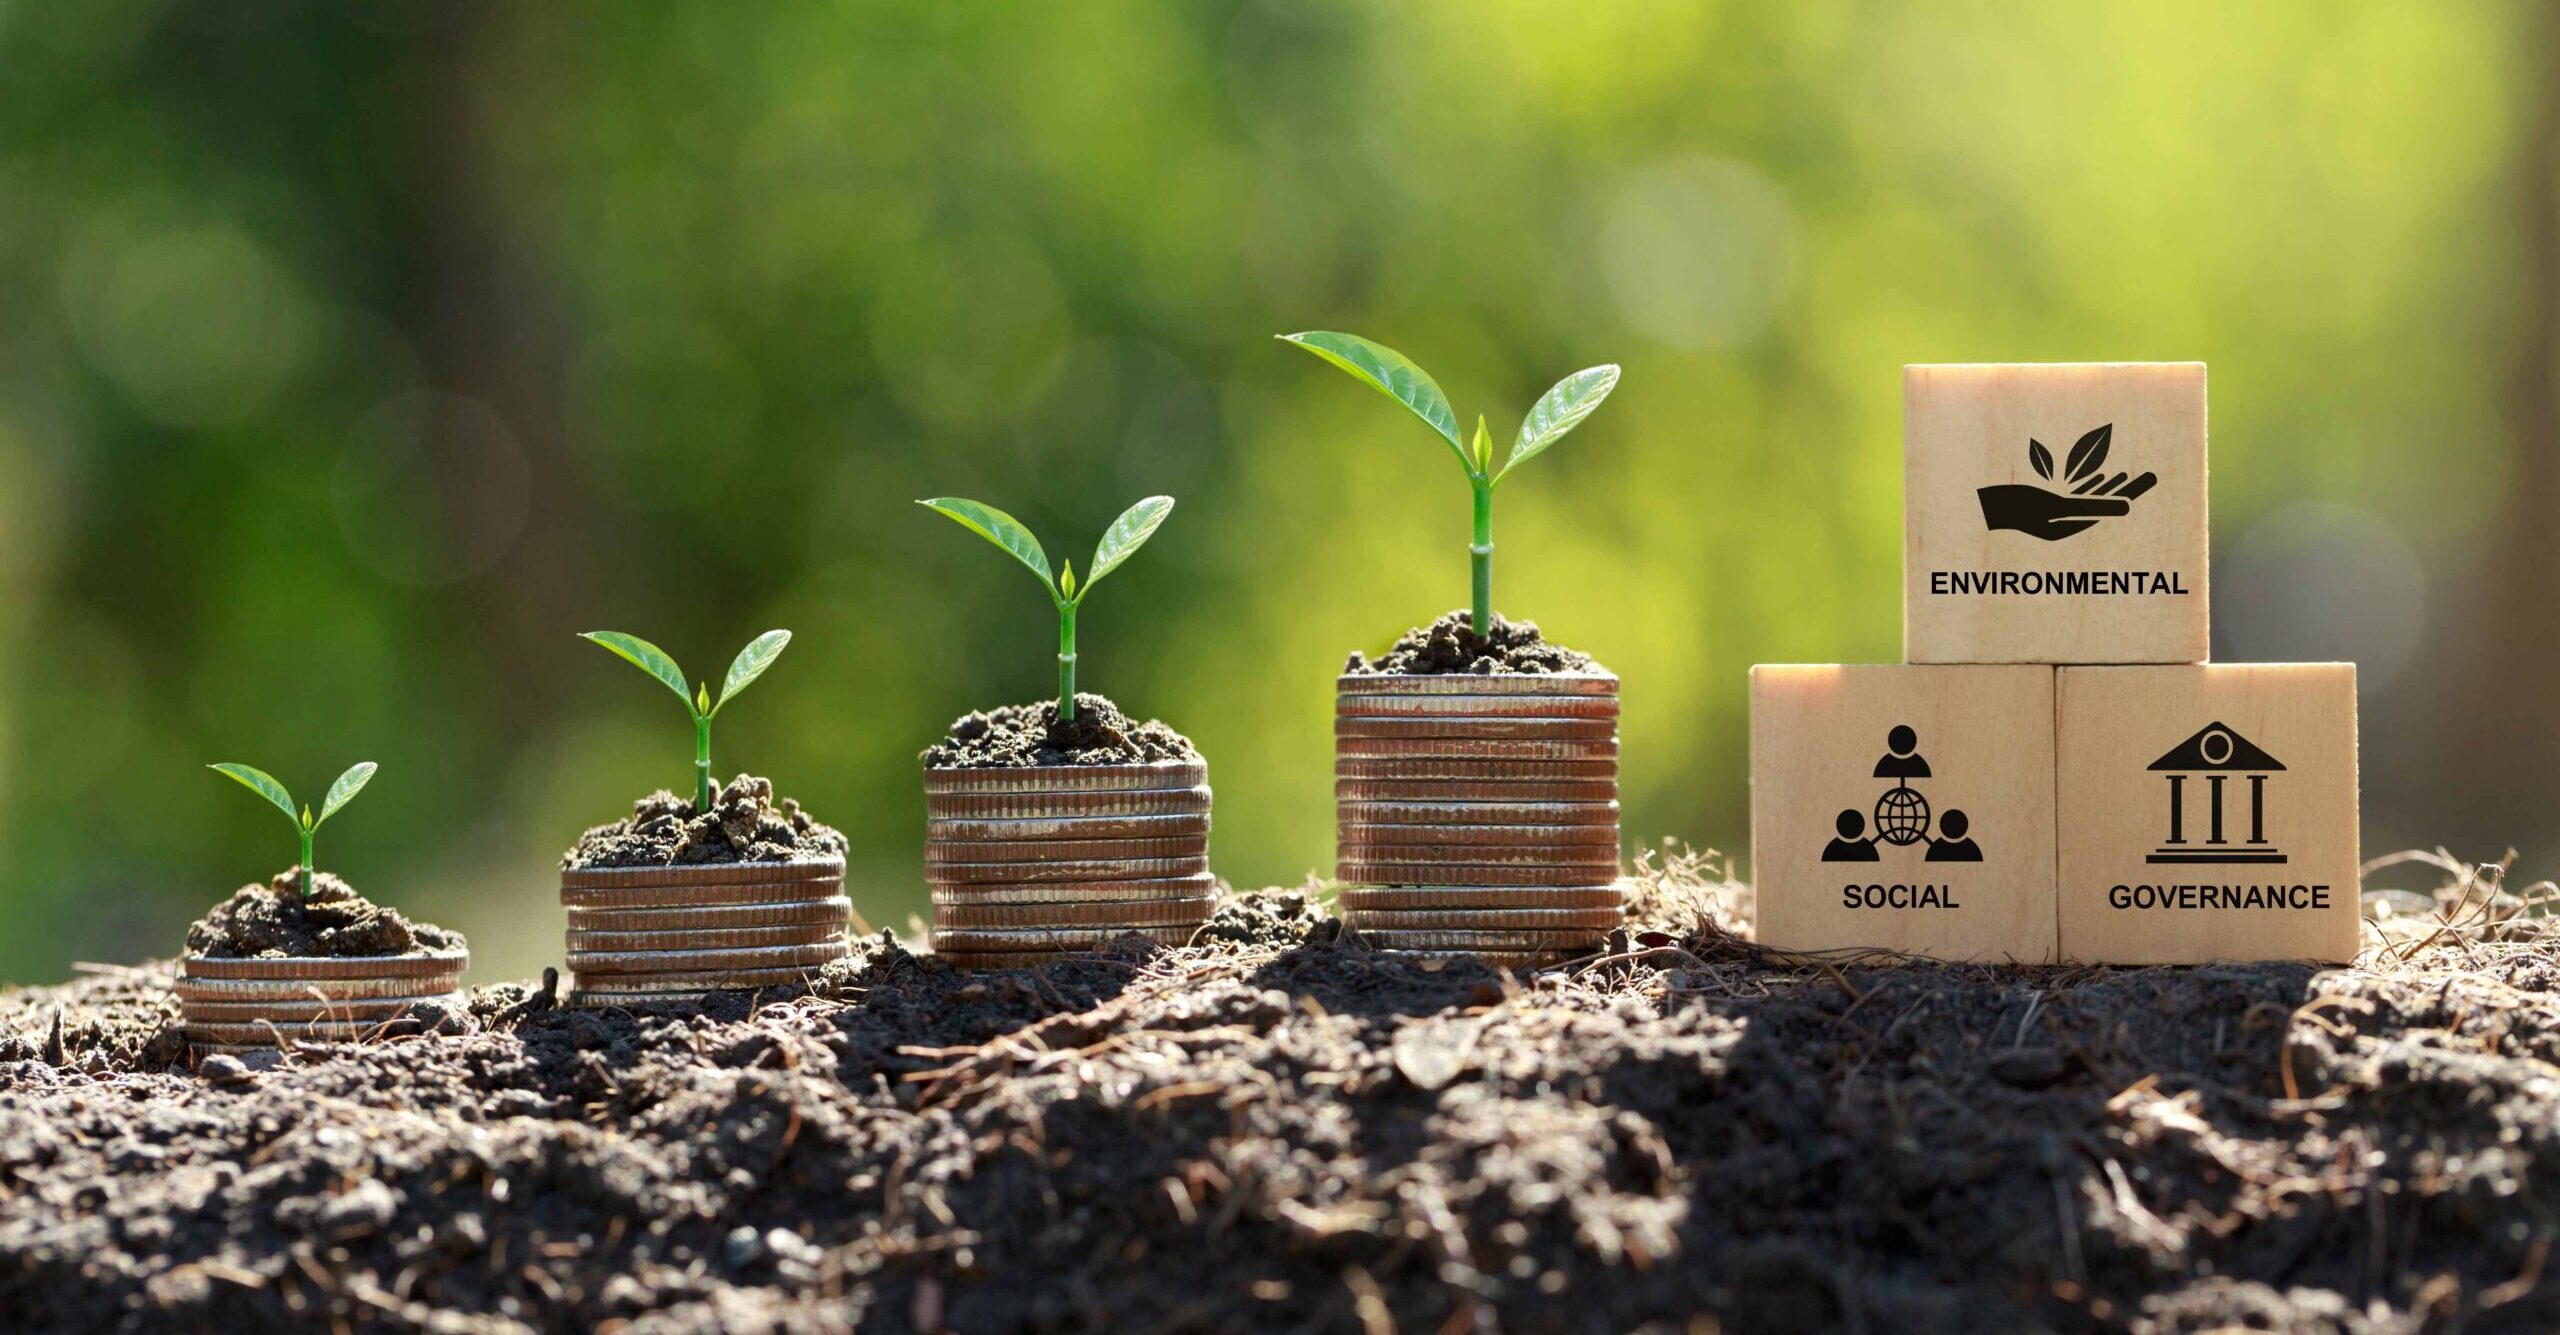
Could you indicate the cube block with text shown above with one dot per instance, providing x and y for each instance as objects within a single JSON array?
[
  {"x": 2054, "y": 513},
  {"x": 1907, "y": 808},
  {"x": 2208, "y": 812}
]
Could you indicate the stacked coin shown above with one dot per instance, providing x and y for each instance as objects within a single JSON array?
[
  {"x": 1479, "y": 814},
  {"x": 1029, "y": 864},
  {"x": 266, "y": 1002},
  {"x": 658, "y": 935}
]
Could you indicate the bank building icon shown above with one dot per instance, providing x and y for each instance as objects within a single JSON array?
[{"x": 2232, "y": 772}]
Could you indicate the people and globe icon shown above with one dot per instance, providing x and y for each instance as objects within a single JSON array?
[{"x": 1902, "y": 815}]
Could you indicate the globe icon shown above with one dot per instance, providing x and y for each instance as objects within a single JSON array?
[{"x": 1902, "y": 816}]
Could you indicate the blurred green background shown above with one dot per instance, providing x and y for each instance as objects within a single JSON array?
[{"x": 352, "y": 357}]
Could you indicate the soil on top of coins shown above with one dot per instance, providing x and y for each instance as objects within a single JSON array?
[
  {"x": 1280, "y": 1128},
  {"x": 1020, "y": 736},
  {"x": 277, "y": 919},
  {"x": 1451, "y": 644},
  {"x": 744, "y": 824}
]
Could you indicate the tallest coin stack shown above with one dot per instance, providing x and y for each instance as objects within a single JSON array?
[{"x": 1478, "y": 812}]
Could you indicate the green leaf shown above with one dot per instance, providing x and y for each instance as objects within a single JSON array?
[
  {"x": 647, "y": 657},
  {"x": 702, "y": 699},
  {"x": 751, "y": 663},
  {"x": 1390, "y": 373},
  {"x": 263, "y": 784},
  {"x": 1126, "y": 535},
  {"x": 997, "y": 527},
  {"x": 348, "y": 785},
  {"x": 1483, "y": 446},
  {"x": 1560, "y": 410},
  {"x": 1067, "y": 578}
]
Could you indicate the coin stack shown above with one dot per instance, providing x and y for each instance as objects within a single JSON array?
[
  {"x": 262, "y": 1003},
  {"x": 1028, "y": 864},
  {"x": 1478, "y": 814},
  {"x": 656, "y": 935}
]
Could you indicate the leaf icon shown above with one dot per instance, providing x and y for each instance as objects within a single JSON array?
[
  {"x": 2089, "y": 453},
  {"x": 2041, "y": 457}
]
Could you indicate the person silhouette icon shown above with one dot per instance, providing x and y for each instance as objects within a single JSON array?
[
  {"x": 1853, "y": 845},
  {"x": 1955, "y": 845},
  {"x": 1902, "y": 759}
]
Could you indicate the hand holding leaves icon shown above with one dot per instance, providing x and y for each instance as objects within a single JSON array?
[{"x": 2051, "y": 515}]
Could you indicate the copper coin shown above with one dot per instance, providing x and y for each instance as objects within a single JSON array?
[
  {"x": 833, "y": 910},
  {"x": 689, "y": 874},
  {"x": 1488, "y": 855},
  {"x": 321, "y": 969},
  {"x": 303, "y": 1009},
  {"x": 1028, "y": 829},
  {"x": 1364, "y": 898},
  {"x": 673, "y": 896},
  {"x": 1392, "y": 939},
  {"x": 1454, "y": 769},
  {"x": 711, "y": 980},
  {"x": 730, "y": 938},
  {"x": 1049, "y": 938},
  {"x": 1041, "y": 806},
  {"x": 1158, "y": 776},
  {"x": 1515, "y": 815},
  {"x": 1504, "y": 920},
  {"x": 1125, "y": 913},
  {"x": 1586, "y": 750},
  {"x": 1476, "y": 683},
  {"x": 1477, "y": 729},
  {"x": 1347, "y": 705},
  {"x": 599, "y": 963},
  {"x": 939, "y": 853},
  {"x": 1479, "y": 836},
  {"x": 1101, "y": 869},
  {"x": 1467, "y": 873},
  {"x": 302, "y": 989},
  {"x": 1078, "y": 892},
  {"x": 1569, "y": 792}
]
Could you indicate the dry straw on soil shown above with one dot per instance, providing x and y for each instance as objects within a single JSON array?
[{"x": 1278, "y": 1128}]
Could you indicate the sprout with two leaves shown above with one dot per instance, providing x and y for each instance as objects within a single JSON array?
[
  {"x": 1393, "y": 374},
  {"x": 746, "y": 667},
  {"x": 1125, "y": 536},
  {"x": 304, "y": 823}
]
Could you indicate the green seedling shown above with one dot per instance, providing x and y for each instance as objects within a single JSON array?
[
  {"x": 1125, "y": 536},
  {"x": 1393, "y": 374},
  {"x": 304, "y": 823},
  {"x": 746, "y": 667}
]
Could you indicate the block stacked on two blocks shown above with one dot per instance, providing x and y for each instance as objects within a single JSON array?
[{"x": 2056, "y": 772}]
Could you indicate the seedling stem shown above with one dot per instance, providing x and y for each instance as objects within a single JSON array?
[
  {"x": 698, "y": 704},
  {"x": 304, "y": 823},
  {"x": 1126, "y": 534}
]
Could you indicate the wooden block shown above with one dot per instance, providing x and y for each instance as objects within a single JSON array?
[
  {"x": 1908, "y": 808},
  {"x": 2208, "y": 813},
  {"x": 2054, "y": 513}
]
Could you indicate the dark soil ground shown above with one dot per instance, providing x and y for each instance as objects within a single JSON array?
[
  {"x": 744, "y": 824},
  {"x": 1019, "y": 736},
  {"x": 1280, "y": 1129},
  {"x": 334, "y": 921},
  {"x": 1451, "y": 644}
]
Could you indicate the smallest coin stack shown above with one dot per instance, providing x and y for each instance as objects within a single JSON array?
[
  {"x": 1478, "y": 814},
  {"x": 266, "y": 1002},
  {"x": 1030, "y": 863},
  {"x": 661, "y": 935}
]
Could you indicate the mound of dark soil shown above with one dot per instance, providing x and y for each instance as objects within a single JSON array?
[
  {"x": 1451, "y": 644},
  {"x": 744, "y": 824},
  {"x": 1020, "y": 736},
  {"x": 335, "y": 921},
  {"x": 1283, "y": 1130}
]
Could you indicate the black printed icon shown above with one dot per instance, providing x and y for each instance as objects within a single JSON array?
[
  {"x": 2217, "y": 754},
  {"x": 1902, "y": 814},
  {"x": 2055, "y": 515}
]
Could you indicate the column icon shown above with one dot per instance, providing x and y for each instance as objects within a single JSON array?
[{"x": 2216, "y": 756}]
